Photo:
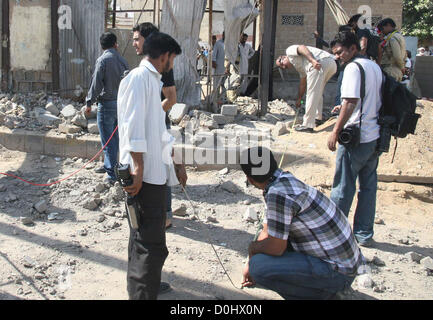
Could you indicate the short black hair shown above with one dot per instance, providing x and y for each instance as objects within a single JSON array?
[
  {"x": 145, "y": 29},
  {"x": 409, "y": 54},
  {"x": 244, "y": 35},
  {"x": 346, "y": 39},
  {"x": 354, "y": 19},
  {"x": 384, "y": 22},
  {"x": 345, "y": 28},
  {"x": 158, "y": 43},
  {"x": 108, "y": 40},
  {"x": 258, "y": 163}
]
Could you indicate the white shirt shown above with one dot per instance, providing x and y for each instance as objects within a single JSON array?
[
  {"x": 218, "y": 56},
  {"x": 142, "y": 127},
  {"x": 350, "y": 88},
  {"x": 245, "y": 52},
  {"x": 301, "y": 63}
]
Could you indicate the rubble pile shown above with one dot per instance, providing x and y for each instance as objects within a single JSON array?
[
  {"x": 42, "y": 112},
  {"x": 39, "y": 111}
]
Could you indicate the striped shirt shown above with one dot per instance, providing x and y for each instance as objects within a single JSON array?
[{"x": 311, "y": 223}]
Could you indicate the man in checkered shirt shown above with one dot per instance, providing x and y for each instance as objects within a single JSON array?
[{"x": 306, "y": 249}]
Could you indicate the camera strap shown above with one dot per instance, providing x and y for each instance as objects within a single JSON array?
[{"x": 362, "y": 71}]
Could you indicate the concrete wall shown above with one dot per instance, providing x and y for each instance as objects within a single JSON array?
[{"x": 30, "y": 40}]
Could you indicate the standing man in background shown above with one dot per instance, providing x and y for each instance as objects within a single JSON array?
[
  {"x": 245, "y": 53},
  {"x": 218, "y": 58},
  {"x": 109, "y": 70},
  {"x": 394, "y": 49}
]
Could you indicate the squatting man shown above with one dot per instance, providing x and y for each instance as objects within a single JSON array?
[{"x": 306, "y": 249}]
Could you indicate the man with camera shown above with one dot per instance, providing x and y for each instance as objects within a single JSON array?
[
  {"x": 357, "y": 131},
  {"x": 146, "y": 146}
]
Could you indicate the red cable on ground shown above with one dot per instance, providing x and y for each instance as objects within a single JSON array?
[{"x": 72, "y": 174}]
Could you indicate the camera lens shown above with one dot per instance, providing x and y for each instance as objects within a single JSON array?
[{"x": 345, "y": 137}]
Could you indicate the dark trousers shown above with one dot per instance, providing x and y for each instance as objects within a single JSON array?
[{"x": 147, "y": 248}]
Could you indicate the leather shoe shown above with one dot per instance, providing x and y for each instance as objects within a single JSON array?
[{"x": 100, "y": 170}]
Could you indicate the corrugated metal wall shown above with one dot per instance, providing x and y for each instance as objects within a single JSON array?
[{"x": 79, "y": 46}]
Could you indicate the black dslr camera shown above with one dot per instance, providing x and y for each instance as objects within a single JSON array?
[
  {"x": 125, "y": 179},
  {"x": 384, "y": 141},
  {"x": 350, "y": 136}
]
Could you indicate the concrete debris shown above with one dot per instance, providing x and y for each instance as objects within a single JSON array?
[
  {"x": 229, "y": 110},
  {"x": 223, "y": 171},
  {"x": 27, "y": 221},
  {"x": 51, "y": 107},
  {"x": 177, "y": 112},
  {"x": 92, "y": 127},
  {"x": 69, "y": 128},
  {"x": 80, "y": 121},
  {"x": 250, "y": 215},
  {"x": 211, "y": 219},
  {"x": 41, "y": 206},
  {"x": 180, "y": 211},
  {"x": 413, "y": 256},
  {"x": 69, "y": 111},
  {"x": 90, "y": 204},
  {"x": 365, "y": 281},
  {"x": 427, "y": 263}
]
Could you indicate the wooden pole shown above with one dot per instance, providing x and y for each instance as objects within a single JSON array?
[
  {"x": 114, "y": 13},
  {"x": 5, "y": 46},
  {"x": 320, "y": 21},
  {"x": 159, "y": 13},
  {"x": 55, "y": 53},
  {"x": 267, "y": 54},
  {"x": 209, "y": 58},
  {"x": 154, "y": 12}
]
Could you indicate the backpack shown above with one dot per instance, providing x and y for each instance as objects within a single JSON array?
[
  {"x": 399, "y": 103},
  {"x": 397, "y": 115}
]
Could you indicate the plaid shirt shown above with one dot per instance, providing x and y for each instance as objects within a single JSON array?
[{"x": 311, "y": 223}]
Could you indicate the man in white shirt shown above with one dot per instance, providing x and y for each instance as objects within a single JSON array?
[
  {"x": 245, "y": 54},
  {"x": 315, "y": 68},
  {"x": 359, "y": 161},
  {"x": 146, "y": 146}
]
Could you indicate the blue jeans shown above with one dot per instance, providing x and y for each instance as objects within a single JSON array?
[
  {"x": 295, "y": 276},
  {"x": 107, "y": 122},
  {"x": 352, "y": 163}
]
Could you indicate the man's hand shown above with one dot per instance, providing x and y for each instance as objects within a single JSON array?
[
  {"x": 336, "y": 109},
  {"x": 134, "y": 189},
  {"x": 181, "y": 174},
  {"x": 88, "y": 110},
  {"x": 247, "y": 280},
  {"x": 332, "y": 141},
  {"x": 298, "y": 103},
  {"x": 316, "y": 65}
]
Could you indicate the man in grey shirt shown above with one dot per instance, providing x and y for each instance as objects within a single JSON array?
[
  {"x": 109, "y": 70},
  {"x": 218, "y": 56}
]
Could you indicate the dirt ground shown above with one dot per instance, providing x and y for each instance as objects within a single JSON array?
[{"x": 74, "y": 251}]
